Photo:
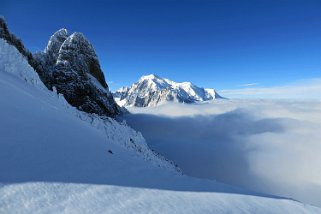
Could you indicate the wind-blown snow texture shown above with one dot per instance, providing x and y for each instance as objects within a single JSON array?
[
  {"x": 151, "y": 90},
  {"x": 55, "y": 159}
]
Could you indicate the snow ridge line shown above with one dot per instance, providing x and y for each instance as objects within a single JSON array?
[
  {"x": 118, "y": 133},
  {"x": 125, "y": 136}
]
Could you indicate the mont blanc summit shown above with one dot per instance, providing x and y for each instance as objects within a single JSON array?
[{"x": 150, "y": 90}]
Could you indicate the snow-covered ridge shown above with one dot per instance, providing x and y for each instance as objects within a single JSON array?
[
  {"x": 116, "y": 132},
  {"x": 152, "y": 89},
  {"x": 13, "y": 62}
]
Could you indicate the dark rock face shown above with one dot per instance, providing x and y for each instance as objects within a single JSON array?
[
  {"x": 74, "y": 70},
  {"x": 69, "y": 63},
  {"x": 80, "y": 56},
  {"x": 12, "y": 39}
]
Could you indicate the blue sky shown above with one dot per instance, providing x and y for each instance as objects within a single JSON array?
[{"x": 219, "y": 43}]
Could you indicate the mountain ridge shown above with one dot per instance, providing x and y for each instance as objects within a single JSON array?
[
  {"x": 150, "y": 90},
  {"x": 69, "y": 64}
]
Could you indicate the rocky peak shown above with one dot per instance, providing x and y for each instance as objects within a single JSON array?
[
  {"x": 73, "y": 68},
  {"x": 80, "y": 55},
  {"x": 69, "y": 63},
  {"x": 54, "y": 44}
]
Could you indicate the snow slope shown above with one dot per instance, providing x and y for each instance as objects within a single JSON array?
[
  {"x": 55, "y": 159},
  {"x": 151, "y": 90}
]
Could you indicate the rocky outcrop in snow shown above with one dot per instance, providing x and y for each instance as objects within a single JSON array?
[
  {"x": 13, "y": 64},
  {"x": 152, "y": 89},
  {"x": 72, "y": 67},
  {"x": 69, "y": 63}
]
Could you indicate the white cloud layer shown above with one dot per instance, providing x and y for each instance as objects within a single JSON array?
[
  {"x": 265, "y": 145},
  {"x": 249, "y": 84},
  {"x": 307, "y": 89}
]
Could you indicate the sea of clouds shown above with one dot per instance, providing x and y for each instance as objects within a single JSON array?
[{"x": 271, "y": 146}]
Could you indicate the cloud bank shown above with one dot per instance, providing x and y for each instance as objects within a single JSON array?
[{"x": 267, "y": 146}]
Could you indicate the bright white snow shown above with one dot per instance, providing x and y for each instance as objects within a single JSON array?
[
  {"x": 151, "y": 90},
  {"x": 54, "y": 159}
]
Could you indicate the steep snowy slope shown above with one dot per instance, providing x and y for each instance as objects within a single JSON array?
[
  {"x": 55, "y": 159},
  {"x": 152, "y": 89},
  {"x": 52, "y": 107}
]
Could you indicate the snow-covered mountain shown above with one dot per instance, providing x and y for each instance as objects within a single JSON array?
[
  {"x": 152, "y": 89},
  {"x": 57, "y": 159}
]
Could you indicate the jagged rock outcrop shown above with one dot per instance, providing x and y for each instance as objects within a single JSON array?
[
  {"x": 152, "y": 89},
  {"x": 73, "y": 69},
  {"x": 69, "y": 63}
]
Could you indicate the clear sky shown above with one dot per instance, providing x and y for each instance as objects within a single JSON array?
[{"x": 217, "y": 43}]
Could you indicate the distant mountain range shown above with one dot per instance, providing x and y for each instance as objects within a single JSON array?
[{"x": 151, "y": 90}]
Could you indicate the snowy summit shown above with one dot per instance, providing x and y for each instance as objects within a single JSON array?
[{"x": 151, "y": 90}]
